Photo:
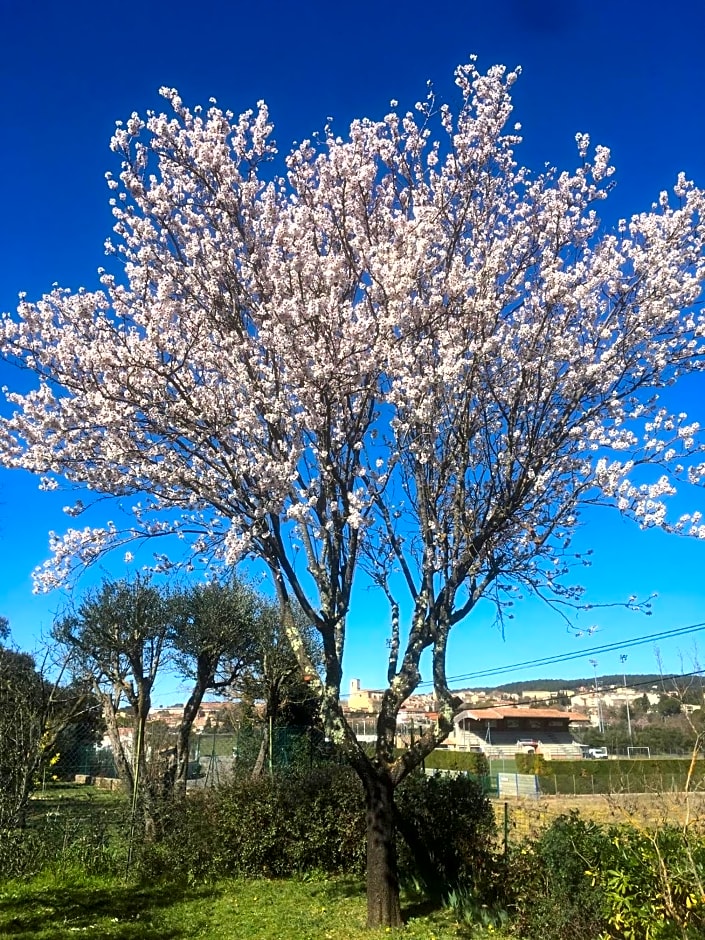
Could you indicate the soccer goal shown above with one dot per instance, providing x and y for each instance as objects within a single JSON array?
[{"x": 638, "y": 752}]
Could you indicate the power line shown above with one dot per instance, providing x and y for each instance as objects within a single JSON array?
[{"x": 568, "y": 657}]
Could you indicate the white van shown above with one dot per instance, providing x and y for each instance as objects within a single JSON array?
[{"x": 597, "y": 753}]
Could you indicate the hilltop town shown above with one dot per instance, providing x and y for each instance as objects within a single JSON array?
[{"x": 550, "y": 715}]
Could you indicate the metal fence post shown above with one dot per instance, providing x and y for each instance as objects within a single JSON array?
[{"x": 506, "y": 826}]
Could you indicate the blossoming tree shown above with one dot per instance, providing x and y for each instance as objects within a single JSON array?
[{"x": 407, "y": 359}]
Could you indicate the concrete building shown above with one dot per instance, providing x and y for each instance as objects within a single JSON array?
[
  {"x": 363, "y": 700},
  {"x": 502, "y": 731}
]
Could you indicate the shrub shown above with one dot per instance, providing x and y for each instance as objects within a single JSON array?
[
  {"x": 653, "y": 883},
  {"x": 530, "y": 763},
  {"x": 296, "y": 822},
  {"x": 580, "y": 881},
  {"x": 548, "y": 892},
  {"x": 471, "y": 762},
  {"x": 448, "y": 827},
  {"x": 315, "y": 821}
]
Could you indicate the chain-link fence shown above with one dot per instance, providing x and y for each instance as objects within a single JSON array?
[
  {"x": 76, "y": 809},
  {"x": 79, "y": 810},
  {"x": 218, "y": 755}
]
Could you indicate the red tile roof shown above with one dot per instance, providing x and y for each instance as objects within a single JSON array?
[{"x": 509, "y": 711}]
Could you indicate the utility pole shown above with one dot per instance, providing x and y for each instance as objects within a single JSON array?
[
  {"x": 623, "y": 659},
  {"x": 593, "y": 663}
]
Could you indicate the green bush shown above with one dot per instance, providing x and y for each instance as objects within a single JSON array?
[
  {"x": 549, "y": 895},
  {"x": 315, "y": 821},
  {"x": 652, "y": 883},
  {"x": 472, "y": 762},
  {"x": 296, "y": 822},
  {"x": 579, "y": 881},
  {"x": 530, "y": 763},
  {"x": 448, "y": 830}
]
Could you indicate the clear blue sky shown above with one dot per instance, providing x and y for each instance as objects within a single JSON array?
[{"x": 632, "y": 75}]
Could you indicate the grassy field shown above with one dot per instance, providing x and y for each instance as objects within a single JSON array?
[
  {"x": 57, "y": 906},
  {"x": 64, "y": 802},
  {"x": 75, "y": 796},
  {"x": 64, "y": 903},
  {"x": 528, "y": 817}
]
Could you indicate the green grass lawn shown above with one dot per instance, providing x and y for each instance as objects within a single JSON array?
[
  {"x": 73, "y": 796},
  {"x": 59, "y": 905}
]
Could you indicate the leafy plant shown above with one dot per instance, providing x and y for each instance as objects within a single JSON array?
[
  {"x": 653, "y": 884},
  {"x": 448, "y": 828},
  {"x": 548, "y": 893},
  {"x": 580, "y": 881}
]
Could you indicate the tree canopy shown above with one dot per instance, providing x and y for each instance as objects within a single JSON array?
[
  {"x": 122, "y": 636},
  {"x": 405, "y": 354}
]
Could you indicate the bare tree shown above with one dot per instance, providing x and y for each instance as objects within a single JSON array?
[{"x": 35, "y": 710}]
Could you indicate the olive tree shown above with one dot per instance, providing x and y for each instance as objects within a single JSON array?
[
  {"x": 213, "y": 644},
  {"x": 123, "y": 636},
  {"x": 116, "y": 637}
]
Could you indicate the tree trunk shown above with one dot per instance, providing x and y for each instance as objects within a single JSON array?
[
  {"x": 204, "y": 679},
  {"x": 383, "y": 907},
  {"x": 179, "y": 768},
  {"x": 258, "y": 769},
  {"x": 123, "y": 767},
  {"x": 18, "y": 817}
]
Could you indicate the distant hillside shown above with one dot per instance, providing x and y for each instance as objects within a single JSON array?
[{"x": 641, "y": 680}]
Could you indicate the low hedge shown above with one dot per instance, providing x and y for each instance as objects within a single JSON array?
[
  {"x": 621, "y": 765},
  {"x": 611, "y": 776},
  {"x": 471, "y": 762},
  {"x": 540, "y": 764},
  {"x": 315, "y": 821}
]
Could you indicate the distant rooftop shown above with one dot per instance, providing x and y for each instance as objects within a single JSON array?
[{"x": 511, "y": 711}]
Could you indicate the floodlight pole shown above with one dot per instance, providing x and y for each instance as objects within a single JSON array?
[
  {"x": 593, "y": 663},
  {"x": 623, "y": 659}
]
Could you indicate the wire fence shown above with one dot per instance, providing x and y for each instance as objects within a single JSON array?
[
  {"x": 217, "y": 756},
  {"x": 73, "y": 807},
  {"x": 214, "y": 756},
  {"x": 79, "y": 811}
]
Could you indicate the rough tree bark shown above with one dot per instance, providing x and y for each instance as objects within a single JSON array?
[
  {"x": 383, "y": 906},
  {"x": 183, "y": 734}
]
